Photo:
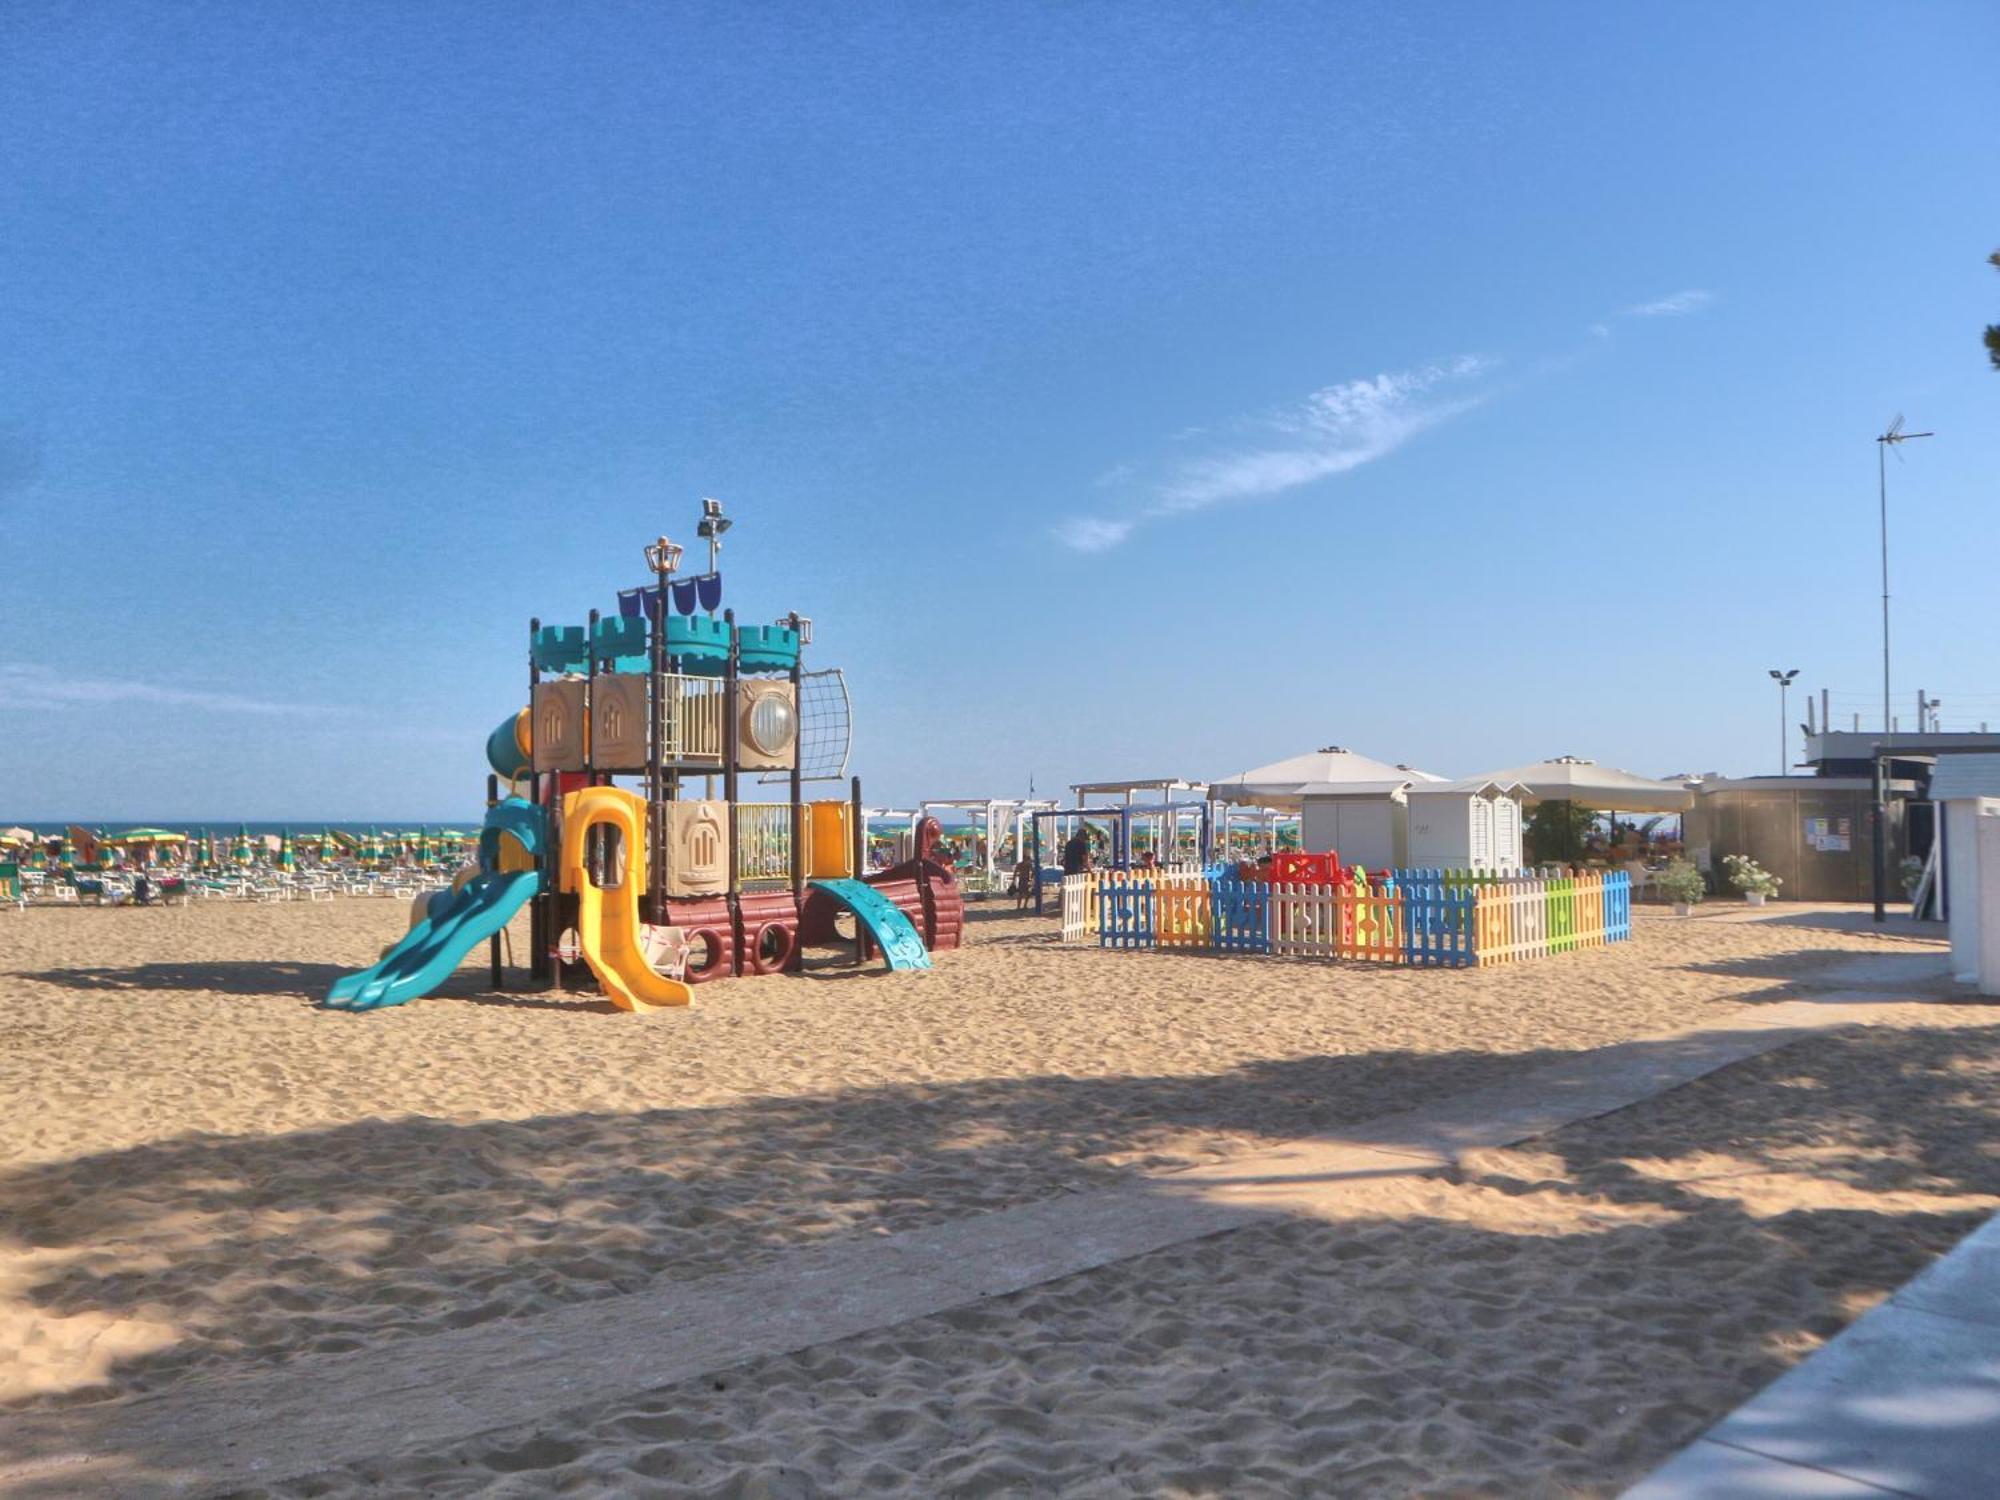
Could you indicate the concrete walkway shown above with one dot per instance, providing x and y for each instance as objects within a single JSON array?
[
  {"x": 1905, "y": 1401},
  {"x": 420, "y": 1394}
]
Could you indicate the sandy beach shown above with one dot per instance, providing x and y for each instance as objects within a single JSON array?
[{"x": 205, "y": 1175}]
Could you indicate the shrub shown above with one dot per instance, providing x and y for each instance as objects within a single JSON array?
[
  {"x": 1749, "y": 877},
  {"x": 1682, "y": 882}
]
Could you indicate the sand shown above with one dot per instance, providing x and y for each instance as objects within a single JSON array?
[{"x": 203, "y": 1174}]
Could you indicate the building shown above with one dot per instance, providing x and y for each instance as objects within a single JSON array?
[
  {"x": 1815, "y": 833},
  {"x": 1967, "y": 789}
]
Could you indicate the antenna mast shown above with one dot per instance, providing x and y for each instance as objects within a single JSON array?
[{"x": 1883, "y": 444}]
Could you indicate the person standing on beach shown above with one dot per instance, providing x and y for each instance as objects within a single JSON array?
[{"x": 1076, "y": 853}]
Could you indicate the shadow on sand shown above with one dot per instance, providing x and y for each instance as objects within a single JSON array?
[{"x": 256, "y": 1250}]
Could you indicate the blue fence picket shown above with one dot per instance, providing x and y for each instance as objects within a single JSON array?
[
  {"x": 1242, "y": 920},
  {"x": 1617, "y": 906},
  {"x": 1125, "y": 915},
  {"x": 1437, "y": 920}
]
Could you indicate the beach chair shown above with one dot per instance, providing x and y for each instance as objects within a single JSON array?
[
  {"x": 1642, "y": 878},
  {"x": 668, "y": 950}
]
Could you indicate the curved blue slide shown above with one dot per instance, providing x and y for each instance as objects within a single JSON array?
[
  {"x": 884, "y": 920},
  {"x": 458, "y": 921}
]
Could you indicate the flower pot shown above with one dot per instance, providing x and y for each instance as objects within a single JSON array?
[
  {"x": 1683, "y": 908},
  {"x": 1753, "y": 898}
]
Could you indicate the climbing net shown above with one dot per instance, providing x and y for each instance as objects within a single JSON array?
[{"x": 826, "y": 728}]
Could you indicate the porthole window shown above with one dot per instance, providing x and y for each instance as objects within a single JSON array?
[{"x": 772, "y": 724}]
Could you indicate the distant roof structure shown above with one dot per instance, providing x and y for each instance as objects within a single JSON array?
[
  {"x": 1476, "y": 786},
  {"x": 1331, "y": 771},
  {"x": 1164, "y": 784},
  {"x": 1965, "y": 776},
  {"x": 1570, "y": 778}
]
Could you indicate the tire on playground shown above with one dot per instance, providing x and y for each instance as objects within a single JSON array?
[
  {"x": 714, "y": 944},
  {"x": 753, "y": 951}
]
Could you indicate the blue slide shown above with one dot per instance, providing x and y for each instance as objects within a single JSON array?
[
  {"x": 458, "y": 921},
  {"x": 884, "y": 920}
]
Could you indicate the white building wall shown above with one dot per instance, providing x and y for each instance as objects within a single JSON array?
[
  {"x": 1988, "y": 843},
  {"x": 1365, "y": 831},
  {"x": 1963, "y": 872},
  {"x": 1506, "y": 834},
  {"x": 1440, "y": 831}
]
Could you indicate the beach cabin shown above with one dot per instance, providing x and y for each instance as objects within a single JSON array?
[
  {"x": 1967, "y": 789},
  {"x": 1346, "y": 802},
  {"x": 1470, "y": 824}
]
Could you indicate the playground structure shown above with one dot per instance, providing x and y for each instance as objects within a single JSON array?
[
  {"x": 1312, "y": 906},
  {"x": 654, "y": 888}
]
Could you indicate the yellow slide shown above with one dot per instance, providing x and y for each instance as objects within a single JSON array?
[{"x": 607, "y": 916}]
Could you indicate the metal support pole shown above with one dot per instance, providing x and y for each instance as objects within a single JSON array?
[
  {"x": 656, "y": 735},
  {"x": 540, "y": 908},
  {"x": 493, "y": 943},
  {"x": 858, "y": 831},
  {"x": 589, "y": 702},
  {"x": 1881, "y": 822},
  {"x": 798, "y": 779},
  {"x": 1784, "y": 733},
  {"x": 1882, "y": 501},
  {"x": 731, "y": 747}
]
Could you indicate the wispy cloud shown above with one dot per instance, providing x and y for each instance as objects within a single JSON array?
[
  {"x": 1679, "y": 305},
  {"x": 30, "y": 686},
  {"x": 1092, "y": 533},
  {"x": 1336, "y": 429}
]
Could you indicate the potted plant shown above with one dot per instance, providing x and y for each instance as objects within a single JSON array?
[
  {"x": 1682, "y": 884},
  {"x": 1752, "y": 879}
]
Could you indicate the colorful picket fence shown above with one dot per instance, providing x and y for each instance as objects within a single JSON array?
[{"x": 1422, "y": 918}]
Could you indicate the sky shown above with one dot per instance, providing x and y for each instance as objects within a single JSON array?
[{"x": 1124, "y": 391}]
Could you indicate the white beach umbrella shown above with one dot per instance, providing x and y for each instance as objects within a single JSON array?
[
  {"x": 1331, "y": 770},
  {"x": 1601, "y": 788}
]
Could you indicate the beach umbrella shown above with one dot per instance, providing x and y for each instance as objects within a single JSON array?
[
  {"x": 17, "y": 836},
  {"x": 1567, "y": 778},
  {"x": 145, "y": 843},
  {"x": 286, "y": 859},
  {"x": 139, "y": 838},
  {"x": 1329, "y": 771},
  {"x": 242, "y": 853}
]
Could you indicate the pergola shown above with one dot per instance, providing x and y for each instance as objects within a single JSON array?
[{"x": 990, "y": 816}]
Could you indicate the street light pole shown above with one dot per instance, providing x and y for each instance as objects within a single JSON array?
[
  {"x": 1880, "y": 818},
  {"x": 1784, "y": 681}
]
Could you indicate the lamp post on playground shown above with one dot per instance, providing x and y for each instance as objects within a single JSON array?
[
  {"x": 1784, "y": 681},
  {"x": 713, "y": 524},
  {"x": 663, "y": 556}
]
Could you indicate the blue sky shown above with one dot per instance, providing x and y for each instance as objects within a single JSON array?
[{"x": 1124, "y": 390}]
